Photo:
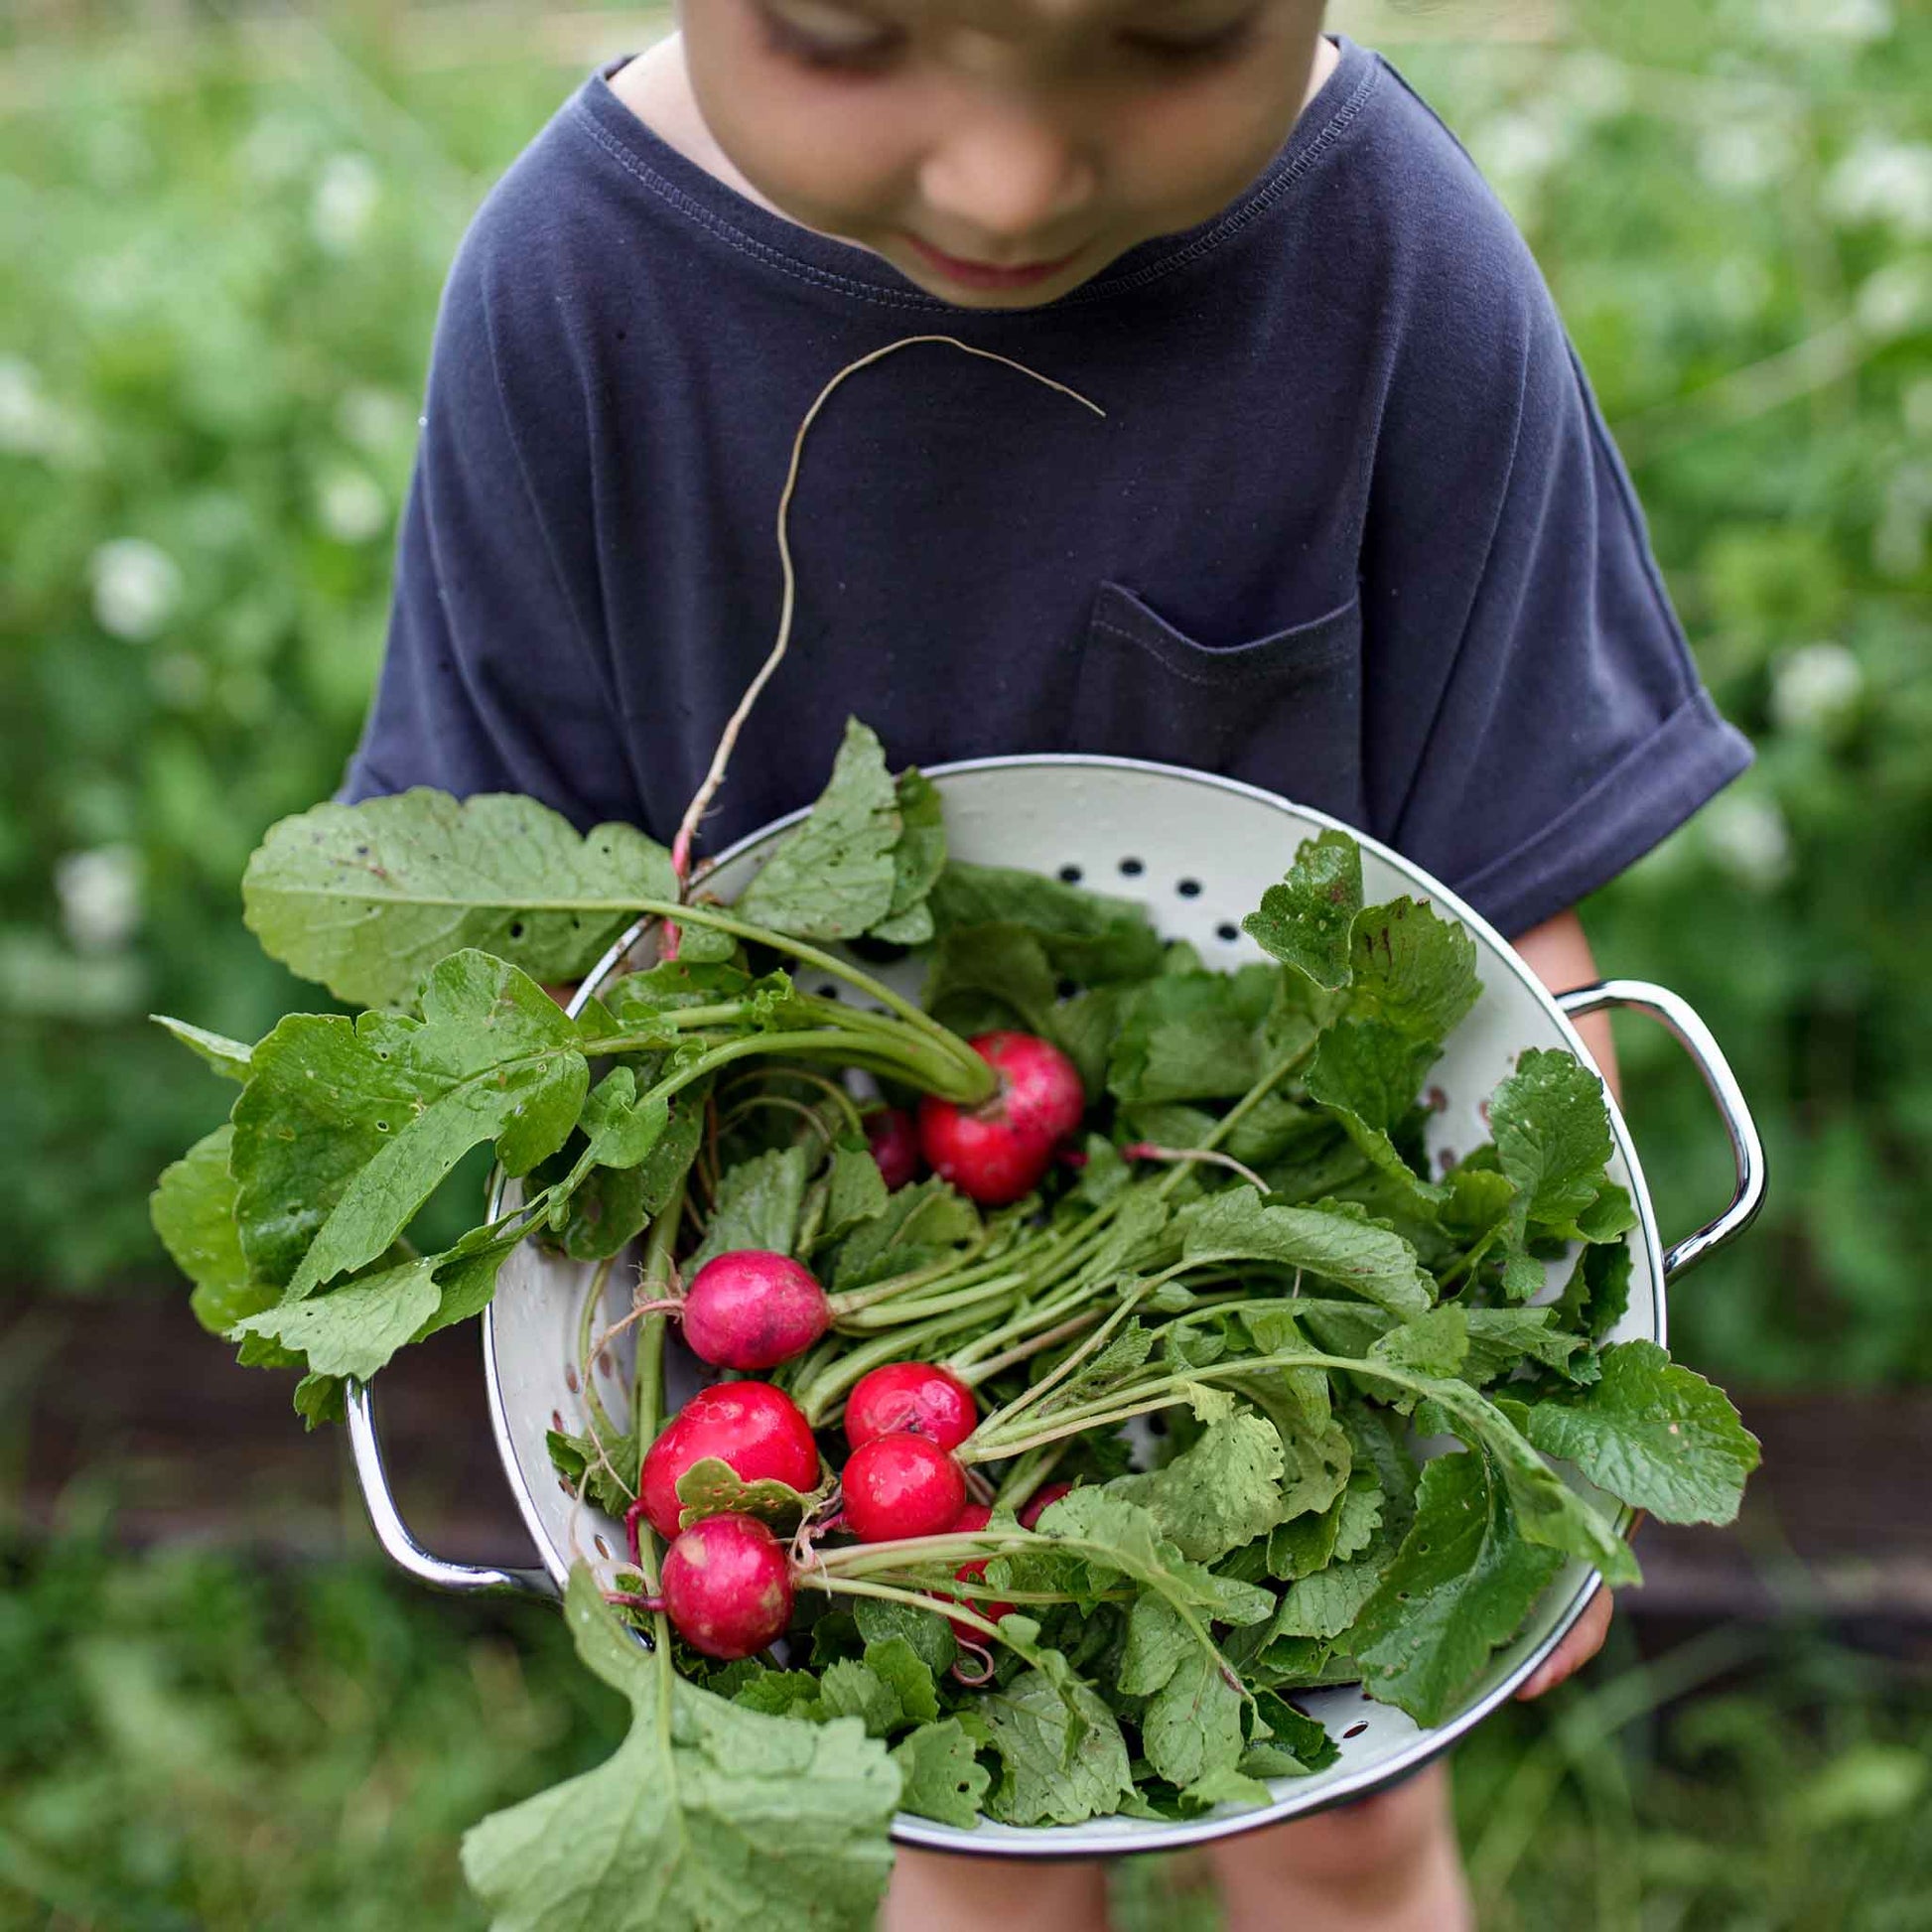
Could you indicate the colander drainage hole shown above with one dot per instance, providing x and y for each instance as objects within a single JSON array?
[
  {"x": 1130, "y": 868},
  {"x": 602, "y": 1547},
  {"x": 569, "y": 1377},
  {"x": 1189, "y": 887},
  {"x": 1355, "y": 1730},
  {"x": 828, "y": 991},
  {"x": 1070, "y": 875},
  {"x": 557, "y": 1421},
  {"x": 1227, "y": 932}
]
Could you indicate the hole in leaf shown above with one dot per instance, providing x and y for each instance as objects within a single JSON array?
[{"x": 382, "y": 1127}]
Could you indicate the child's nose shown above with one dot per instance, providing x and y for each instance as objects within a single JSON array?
[{"x": 1007, "y": 179}]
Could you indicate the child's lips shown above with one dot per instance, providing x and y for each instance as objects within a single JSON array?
[{"x": 989, "y": 275}]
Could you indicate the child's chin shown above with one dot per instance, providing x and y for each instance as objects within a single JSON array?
[{"x": 961, "y": 294}]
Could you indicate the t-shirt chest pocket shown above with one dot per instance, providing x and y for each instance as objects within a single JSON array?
[{"x": 1283, "y": 712}]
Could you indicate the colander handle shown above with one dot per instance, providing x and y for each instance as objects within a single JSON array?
[
  {"x": 1746, "y": 1149},
  {"x": 402, "y": 1549}
]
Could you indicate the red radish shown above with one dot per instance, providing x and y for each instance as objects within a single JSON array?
[
  {"x": 901, "y": 1485},
  {"x": 975, "y": 1516},
  {"x": 895, "y": 1144},
  {"x": 753, "y": 1309},
  {"x": 756, "y": 1428},
  {"x": 909, "y": 1395},
  {"x": 997, "y": 1152},
  {"x": 727, "y": 1586},
  {"x": 1042, "y": 1502}
]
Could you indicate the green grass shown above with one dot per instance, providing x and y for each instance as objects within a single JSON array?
[{"x": 190, "y": 1745}]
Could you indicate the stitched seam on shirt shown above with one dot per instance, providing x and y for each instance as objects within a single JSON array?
[
  {"x": 1697, "y": 705},
  {"x": 1235, "y": 673},
  {"x": 1263, "y": 200}
]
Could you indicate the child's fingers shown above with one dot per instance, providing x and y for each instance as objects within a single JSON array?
[{"x": 1575, "y": 1651}]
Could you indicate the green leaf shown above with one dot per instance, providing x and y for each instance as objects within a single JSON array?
[
  {"x": 354, "y": 1329},
  {"x": 941, "y": 1775},
  {"x": 1461, "y": 1583},
  {"x": 228, "y": 1057},
  {"x": 1224, "y": 1787},
  {"x": 1240, "y": 1225},
  {"x": 1129, "y": 1544},
  {"x": 1191, "y": 1727},
  {"x": 907, "y": 1675},
  {"x": 918, "y": 1225},
  {"x": 675, "y": 1833},
  {"x": 345, "y": 1129},
  {"x": 1061, "y": 1755},
  {"x": 1222, "y": 1492},
  {"x": 835, "y": 876},
  {"x": 1328, "y": 1603},
  {"x": 1308, "y": 921},
  {"x": 986, "y": 976},
  {"x": 1654, "y": 1433},
  {"x": 849, "y": 1688},
  {"x": 1295, "y": 1742},
  {"x": 1599, "y": 1290},
  {"x": 928, "y": 1634},
  {"x": 758, "y": 1204},
  {"x": 1192, "y": 1037},
  {"x": 193, "y": 1210},
  {"x": 855, "y": 1191},
  {"x": 622, "y": 1124},
  {"x": 709, "y": 1487},
  {"x": 1412, "y": 970},
  {"x": 366, "y": 898},
  {"x": 609, "y": 1479},
  {"x": 1092, "y": 939},
  {"x": 1552, "y": 1136},
  {"x": 1500, "y": 1339},
  {"x": 918, "y": 861},
  {"x": 1436, "y": 1344}
]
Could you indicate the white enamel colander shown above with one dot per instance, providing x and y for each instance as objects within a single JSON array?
[{"x": 1198, "y": 852}]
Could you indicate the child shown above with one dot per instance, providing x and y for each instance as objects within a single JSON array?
[{"x": 1352, "y": 527}]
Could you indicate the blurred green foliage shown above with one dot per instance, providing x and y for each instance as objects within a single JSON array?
[
  {"x": 209, "y": 374},
  {"x": 189, "y": 1742}
]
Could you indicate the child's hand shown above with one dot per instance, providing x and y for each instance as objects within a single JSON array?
[{"x": 1575, "y": 1651}]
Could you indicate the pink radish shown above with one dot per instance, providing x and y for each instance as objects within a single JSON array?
[
  {"x": 909, "y": 1395},
  {"x": 755, "y": 1429},
  {"x": 753, "y": 1309},
  {"x": 997, "y": 1152},
  {"x": 728, "y": 1587},
  {"x": 976, "y": 1516},
  {"x": 1042, "y": 1502},
  {"x": 894, "y": 1142},
  {"x": 901, "y": 1485}
]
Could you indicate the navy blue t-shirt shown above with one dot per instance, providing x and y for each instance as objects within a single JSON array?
[{"x": 1352, "y": 528}]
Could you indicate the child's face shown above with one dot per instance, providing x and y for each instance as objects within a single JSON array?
[{"x": 999, "y": 152}]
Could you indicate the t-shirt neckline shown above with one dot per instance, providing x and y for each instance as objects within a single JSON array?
[{"x": 784, "y": 245}]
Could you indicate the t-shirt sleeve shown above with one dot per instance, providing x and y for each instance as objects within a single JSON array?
[
  {"x": 1536, "y": 722},
  {"x": 494, "y": 677}
]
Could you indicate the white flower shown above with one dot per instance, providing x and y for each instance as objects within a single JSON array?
[
  {"x": 100, "y": 898},
  {"x": 351, "y": 507},
  {"x": 375, "y": 420},
  {"x": 1892, "y": 300},
  {"x": 1898, "y": 542},
  {"x": 1816, "y": 688},
  {"x": 347, "y": 193},
  {"x": 1884, "y": 181},
  {"x": 1748, "y": 839},
  {"x": 137, "y": 587},
  {"x": 1743, "y": 154}
]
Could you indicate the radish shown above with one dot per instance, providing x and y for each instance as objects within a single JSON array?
[
  {"x": 997, "y": 1152},
  {"x": 753, "y": 1309},
  {"x": 911, "y": 1396},
  {"x": 976, "y": 1516},
  {"x": 894, "y": 1142},
  {"x": 901, "y": 1485},
  {"x": 728, "y": 1587},
  {"x": 1042, "y": 1502},
  {"x": 755, "y": 1429}
]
